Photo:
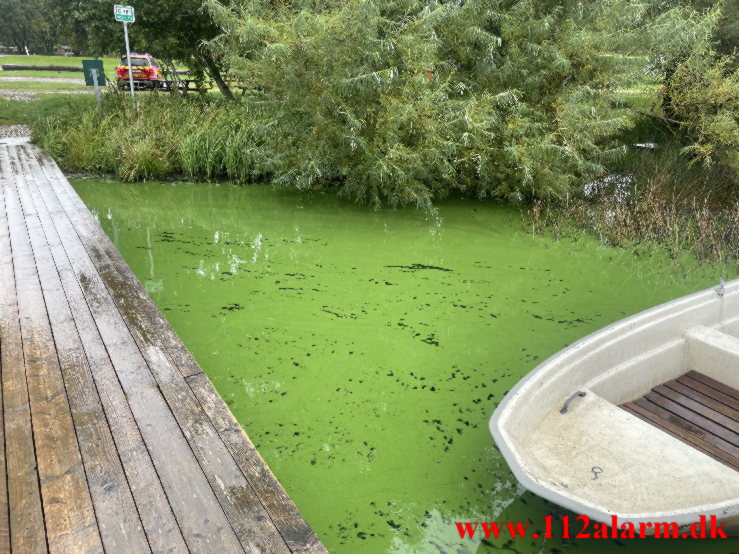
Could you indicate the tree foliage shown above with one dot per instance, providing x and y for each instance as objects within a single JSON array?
[
  {"x": 704, "y": 95},
  {"x": 409, "y": 99},
  {"x": 402, "y": 101},
  {"x": 701, "y": 92},
  {"x": 170, "y": 29},
  {"x": 30, "y": 24}
]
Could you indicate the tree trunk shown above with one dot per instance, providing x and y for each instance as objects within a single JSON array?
[
  {"x": 215, "y": 74},
  {"x": 173, "y": 77}
]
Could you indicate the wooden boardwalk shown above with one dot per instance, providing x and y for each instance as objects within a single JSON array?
[
  {"x": 697, "y": 410},
  {"x": 113, "y": 439}
]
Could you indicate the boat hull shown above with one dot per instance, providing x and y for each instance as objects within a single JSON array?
[{"x": 598, "y": 459}]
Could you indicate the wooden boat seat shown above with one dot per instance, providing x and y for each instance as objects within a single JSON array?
[{"x": 697, "y": 410}]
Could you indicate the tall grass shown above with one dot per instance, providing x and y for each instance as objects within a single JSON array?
[
  {"x": 20, "y": 111},
  {"x": 165, "y": 137},
  {"x": 653, "y": 196},
  {"x": 659, "y": 198}
]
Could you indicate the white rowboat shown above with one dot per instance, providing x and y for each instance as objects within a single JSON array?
[{"x": 636, "y": 420}]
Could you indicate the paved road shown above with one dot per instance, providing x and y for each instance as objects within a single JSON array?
[{"x": 14, "y": 134}]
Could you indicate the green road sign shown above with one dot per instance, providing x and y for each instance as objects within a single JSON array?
[
  {"x": 124, "y": 13},
  {"x": 87, "y": 65}
]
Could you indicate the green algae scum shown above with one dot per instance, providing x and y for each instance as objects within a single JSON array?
[{"x": 366, "y": 350}]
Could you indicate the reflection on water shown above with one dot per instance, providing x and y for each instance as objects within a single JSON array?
[{"x": 365, "y": 351}]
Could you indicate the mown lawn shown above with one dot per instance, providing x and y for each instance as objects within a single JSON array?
[
  {"x": 15, "y": 111},
  {"x": 30, "y": 86},
  {"x": 50, "y": 74},
  {"x": 108, "y": 63}
]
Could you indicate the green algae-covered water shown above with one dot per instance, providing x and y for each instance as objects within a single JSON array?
[{"x": 364, "y": 351}]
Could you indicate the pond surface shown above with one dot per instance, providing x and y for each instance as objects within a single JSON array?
[{"x": 364, "y": 351}]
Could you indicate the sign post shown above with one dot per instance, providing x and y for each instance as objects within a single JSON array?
[
  {"x": 94, "y": 77},
  {"x": 126, "y": 15}
]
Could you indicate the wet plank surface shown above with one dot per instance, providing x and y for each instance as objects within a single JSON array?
[
  {"x": 113, "y": 439},
  {"x": 698, "y": 410}
]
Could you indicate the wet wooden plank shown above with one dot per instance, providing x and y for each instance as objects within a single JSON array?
[
  {"x": 163, "y": 532},
  {"x": 4, "y": 253},
  {"x": 4, "y": 517},
  {"x": 679, "y": 433},
  {"x": 116, "y": 513},
  {"x": 242, "y": 506},
  {"x": 688, "y": 426},
  {"x": 152, "y": 460},
  {"x": 25, "y": 515},
  {"x": 693, "y": 418},
  {"x": 68, "y": 512},
  {"x": 198, "y": 512},
  {"x": 716, "y": 385},
  {"x": 708, "y": 391},
  {"x": 704, "y": 399},
  {"x": 142, "y": 312},
  {"x": 698, "y": 408},
  {"x": 284, "y": 514}
]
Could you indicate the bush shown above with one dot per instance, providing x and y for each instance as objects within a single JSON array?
[
  {"x": 402, "y": 102},
  {"x": 166, "y": 136},
  {"x": 703, "y": 93}
]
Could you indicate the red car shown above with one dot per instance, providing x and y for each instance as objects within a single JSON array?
[{"x": 147, "y": 73}]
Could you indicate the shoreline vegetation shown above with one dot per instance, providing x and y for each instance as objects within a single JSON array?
[
  {"x": 657, "y": 197},
  {"x": 648, "y": 219},
  {"x": 404, "y": 102}
]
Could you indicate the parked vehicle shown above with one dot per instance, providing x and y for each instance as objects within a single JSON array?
[{"x": 147, "y": 73}]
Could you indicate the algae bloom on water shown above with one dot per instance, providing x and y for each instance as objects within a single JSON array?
[{"x": 363, "y": 352}]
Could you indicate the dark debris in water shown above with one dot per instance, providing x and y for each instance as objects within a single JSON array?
[
  {"x": 402, "y": 310},
  {"x": 168, "y": 236},
  {"x": 337, "y": 314},
  {"x": 431, "y": 339},
  {"x": 417, "y": 267}
]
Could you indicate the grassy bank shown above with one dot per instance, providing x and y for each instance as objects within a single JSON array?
[
  {"x": 649, "y": 195},
  {"x": 43, "y": 74},
  {"x": 47, "y": 105},
  {"x": 655, "y": 195},
  {"x": 27, "y": 82},
  {"x": 76, "y": 61},
  {"x": 32, "y": 86},
  {"x": 642, "y": 216},
  {"x": 201, "y": 138}
]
